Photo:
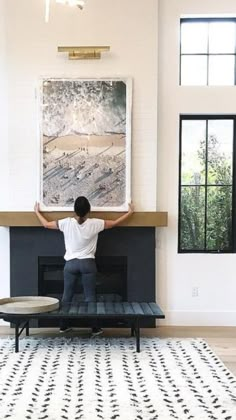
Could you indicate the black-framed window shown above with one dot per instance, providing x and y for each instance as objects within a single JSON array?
[
  {"x": 206, "y": 183},
  {"x": 208, "y": 51}
]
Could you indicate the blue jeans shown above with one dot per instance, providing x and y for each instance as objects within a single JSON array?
[{"x": 87, "y": 268}]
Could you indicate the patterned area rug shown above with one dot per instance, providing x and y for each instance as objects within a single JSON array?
[{"x": 80, "y": 378}]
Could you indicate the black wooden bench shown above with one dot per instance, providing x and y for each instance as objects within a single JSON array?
[{"x": 132, "y": 312}]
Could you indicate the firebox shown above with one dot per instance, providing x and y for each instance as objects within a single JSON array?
[{"x": 111, "y": 283}]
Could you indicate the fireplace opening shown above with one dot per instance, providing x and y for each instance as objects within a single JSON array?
[{"x": 111, "y": 283}]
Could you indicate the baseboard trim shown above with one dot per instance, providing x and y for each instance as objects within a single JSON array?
[{"x": 206, "y": 319}]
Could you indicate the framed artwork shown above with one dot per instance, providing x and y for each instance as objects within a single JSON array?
[{"x": 85, "y": 143}]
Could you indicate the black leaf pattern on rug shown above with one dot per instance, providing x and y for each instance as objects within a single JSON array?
[{"x": 104, "y": 378}]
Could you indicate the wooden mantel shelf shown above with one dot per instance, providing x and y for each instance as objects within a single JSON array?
[{"x": 142, "y": 219}]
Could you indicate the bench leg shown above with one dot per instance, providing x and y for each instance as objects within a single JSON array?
[
  {"x": 18, "y": 333},
  {"x": 137, "y": 333},
  {"x": 16, "y": 338},
  {"x": 132, "y": 330}
]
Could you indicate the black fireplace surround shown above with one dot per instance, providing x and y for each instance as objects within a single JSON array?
[{"x": 36, "y": 264}]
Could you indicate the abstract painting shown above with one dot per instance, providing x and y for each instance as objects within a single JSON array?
[{"x": 85, "y": 137}]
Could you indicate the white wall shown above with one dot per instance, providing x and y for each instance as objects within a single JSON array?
[
  {"x": 4, "y": 175},
  {"x": 28, "y": 51},
  {"x": 130, "y": 28},
  {"x": 214, "y": 275}
]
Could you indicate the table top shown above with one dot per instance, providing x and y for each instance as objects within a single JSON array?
[{"x": 28, "y": 304}]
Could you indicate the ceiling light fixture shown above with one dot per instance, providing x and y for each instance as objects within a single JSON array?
[{"x": 79, "y": 3}]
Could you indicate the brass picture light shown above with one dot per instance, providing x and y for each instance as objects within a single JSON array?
[{"x": 84, "y": 53}]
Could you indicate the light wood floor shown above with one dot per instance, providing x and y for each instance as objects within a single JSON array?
[{"x": 222, "y": 340}]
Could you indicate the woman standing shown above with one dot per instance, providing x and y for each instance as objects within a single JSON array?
[{"x": 80, "y": 236}]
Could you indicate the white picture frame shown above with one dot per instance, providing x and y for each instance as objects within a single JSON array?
[{"x": 85, "y": 142}]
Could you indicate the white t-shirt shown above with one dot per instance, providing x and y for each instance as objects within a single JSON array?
[{"x": 80, "y": 240}]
